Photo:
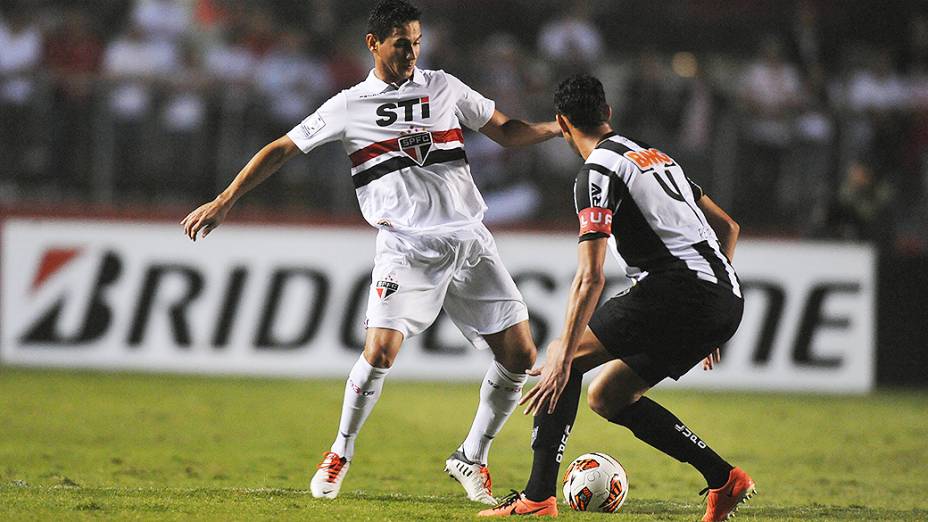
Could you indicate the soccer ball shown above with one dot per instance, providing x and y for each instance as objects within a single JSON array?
[{"x": 595, "y": 482}]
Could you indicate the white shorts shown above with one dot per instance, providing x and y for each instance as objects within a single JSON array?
[{"x": 415, "y": 276}]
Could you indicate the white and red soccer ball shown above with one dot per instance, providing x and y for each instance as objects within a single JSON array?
[{"x": 595, "y": 482}]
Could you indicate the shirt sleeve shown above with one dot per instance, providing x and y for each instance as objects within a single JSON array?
[
  {"x": 325, "y": 125},
  {"x": 595, "y": 198},
  {"x": 697, "y": 190},
  {"x": 471, "y": 107}
]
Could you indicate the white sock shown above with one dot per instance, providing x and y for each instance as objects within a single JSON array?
[
  {"x": 499, "y": 395},
  {"x": 361, "y": 393}
]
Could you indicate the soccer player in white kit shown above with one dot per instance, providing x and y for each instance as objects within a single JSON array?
[{"x": 401, "y": 128}]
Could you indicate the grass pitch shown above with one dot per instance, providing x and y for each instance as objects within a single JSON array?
[{"x": 155, "y": 447}]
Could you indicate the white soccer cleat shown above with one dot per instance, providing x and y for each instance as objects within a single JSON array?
[
  {"x": 329, "y": 475},
  {"x": 473, "y": 476}
]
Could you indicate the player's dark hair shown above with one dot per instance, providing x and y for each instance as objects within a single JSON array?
[
  {"x": 388, "y": 14},
  {"x": 582, "y": 100}
]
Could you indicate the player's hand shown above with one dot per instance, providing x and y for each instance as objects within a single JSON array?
[
  {"x": 709, "y": 362},
  {"x": 206, "y": 218},
  {"x": 554, "y": 375}
]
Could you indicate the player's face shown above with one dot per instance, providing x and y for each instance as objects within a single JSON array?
[{"x": 396, "y": 56}]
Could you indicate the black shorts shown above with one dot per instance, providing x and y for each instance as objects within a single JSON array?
[{"x": 667, "y": 323}]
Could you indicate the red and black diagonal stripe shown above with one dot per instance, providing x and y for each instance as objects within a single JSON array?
[{"x": 361, "y": 156}]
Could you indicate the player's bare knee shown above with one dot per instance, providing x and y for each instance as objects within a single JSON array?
[
  {"x": 608, "y": 404},
  {"x": 519, "y": 358},
  {"x": 527, "y": 355},
  {"x": 379, "y": 357},
  {"x": 598, "y": 401}
]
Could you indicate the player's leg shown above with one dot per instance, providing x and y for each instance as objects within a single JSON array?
[
  {"x": 617, "y": 394},
  {"x": 485, "y": 304},
  {"x": 552, "y": 430},
  {"x": 365, "y": 382},
  {"x": 408, "y": 286},
  {"x": 362, "y": 391},
  {"x": 704, "y": 316},
  {"x": 513, "y": 354},
  {"x": 500, "y": 390},
  {"x": 549, "y": 438}
]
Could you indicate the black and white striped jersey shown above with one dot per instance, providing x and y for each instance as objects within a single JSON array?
[{"x": 642, "y": 199}]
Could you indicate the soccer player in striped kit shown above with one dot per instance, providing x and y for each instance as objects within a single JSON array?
[
  {"x": 401, "y": 128},
  {"x": 686, "y": 300}
]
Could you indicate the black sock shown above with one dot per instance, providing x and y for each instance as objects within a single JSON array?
[
  {"x": 549, "y": 439},
  {"x": 653, "y": 424}
]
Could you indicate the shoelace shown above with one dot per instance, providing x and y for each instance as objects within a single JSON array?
[
  {"x": 509, "y": 499},
  {"x": 332, "y": 463},
  {"x": 487, "y": 481}
]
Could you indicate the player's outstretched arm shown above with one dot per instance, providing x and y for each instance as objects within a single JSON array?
[
  {"x": 510, "y": 132},
  {"x": 581, "y": 303},
  {"x": 266, "y": 162},
  {"x": 725, "y": 227}
]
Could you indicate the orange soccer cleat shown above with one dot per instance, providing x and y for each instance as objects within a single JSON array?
[
  {"x": 722, "y": 503},
  {"x": 515, "y": 504}
]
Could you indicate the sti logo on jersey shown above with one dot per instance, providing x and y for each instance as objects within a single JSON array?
[
  {"x": 388, "y": 115},
  {"x": 417, "y": 146}
]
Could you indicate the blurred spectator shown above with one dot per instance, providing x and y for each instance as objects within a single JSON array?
[
  {"x": 807, "y": 35},
  {"x": 190, "y": 88},
  {"x": 877, "y": 88},
  {"x": 20, "y": 58},
  {"x": 183, "y": 122},
  {"x": 133, "y": 65},
  {"x": 770, "y": 92},
  {"x": 861, "y": 208},
  {"x": 653, "y": 111},
  {"x": 292, "y": 80},
  {"x": 503, "y": 77},
  {"x": 696, "y": 129},
  {"x": 167, "y": 20},
  {"x": 73, "y": 54},
  {"x": 697, "y": 112},
  {"x": 507, "y": 181},
  {"x": 875, "y": 95},
  {"x": 808, "y": 182},
  {"x": 212, "y": 17},
  {"x": 571, "y": 41},
  {"x": 229, "y": 60},
  {"x": 322, "y": 20},
  {"x": 260, "y": 31},
  {"x": 504, "y": 176},
  {"x": 347, "y": 61}
]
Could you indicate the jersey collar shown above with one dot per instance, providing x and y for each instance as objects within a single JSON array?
[
  {"x": 379, "y": 86},
  {"x": 606, "y": 137}
]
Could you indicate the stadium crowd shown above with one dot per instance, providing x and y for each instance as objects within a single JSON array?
[{"x": 806, "y": 121}]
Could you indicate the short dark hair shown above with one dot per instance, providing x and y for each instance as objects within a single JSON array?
[
  {"x": 582, "y": 100},
  {"x": 388, "y": 14}
]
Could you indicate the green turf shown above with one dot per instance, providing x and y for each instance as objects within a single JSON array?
[{"x": 154, "y": 447}]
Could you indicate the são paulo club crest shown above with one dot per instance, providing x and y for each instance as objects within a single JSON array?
[
  {"x": 386, "y": 287},
  {"x": 417, "y": 146}
]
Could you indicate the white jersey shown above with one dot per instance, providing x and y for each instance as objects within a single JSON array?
[
  {"x": 639, "y": 197},
  {"x": 406, "y": 149}
]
